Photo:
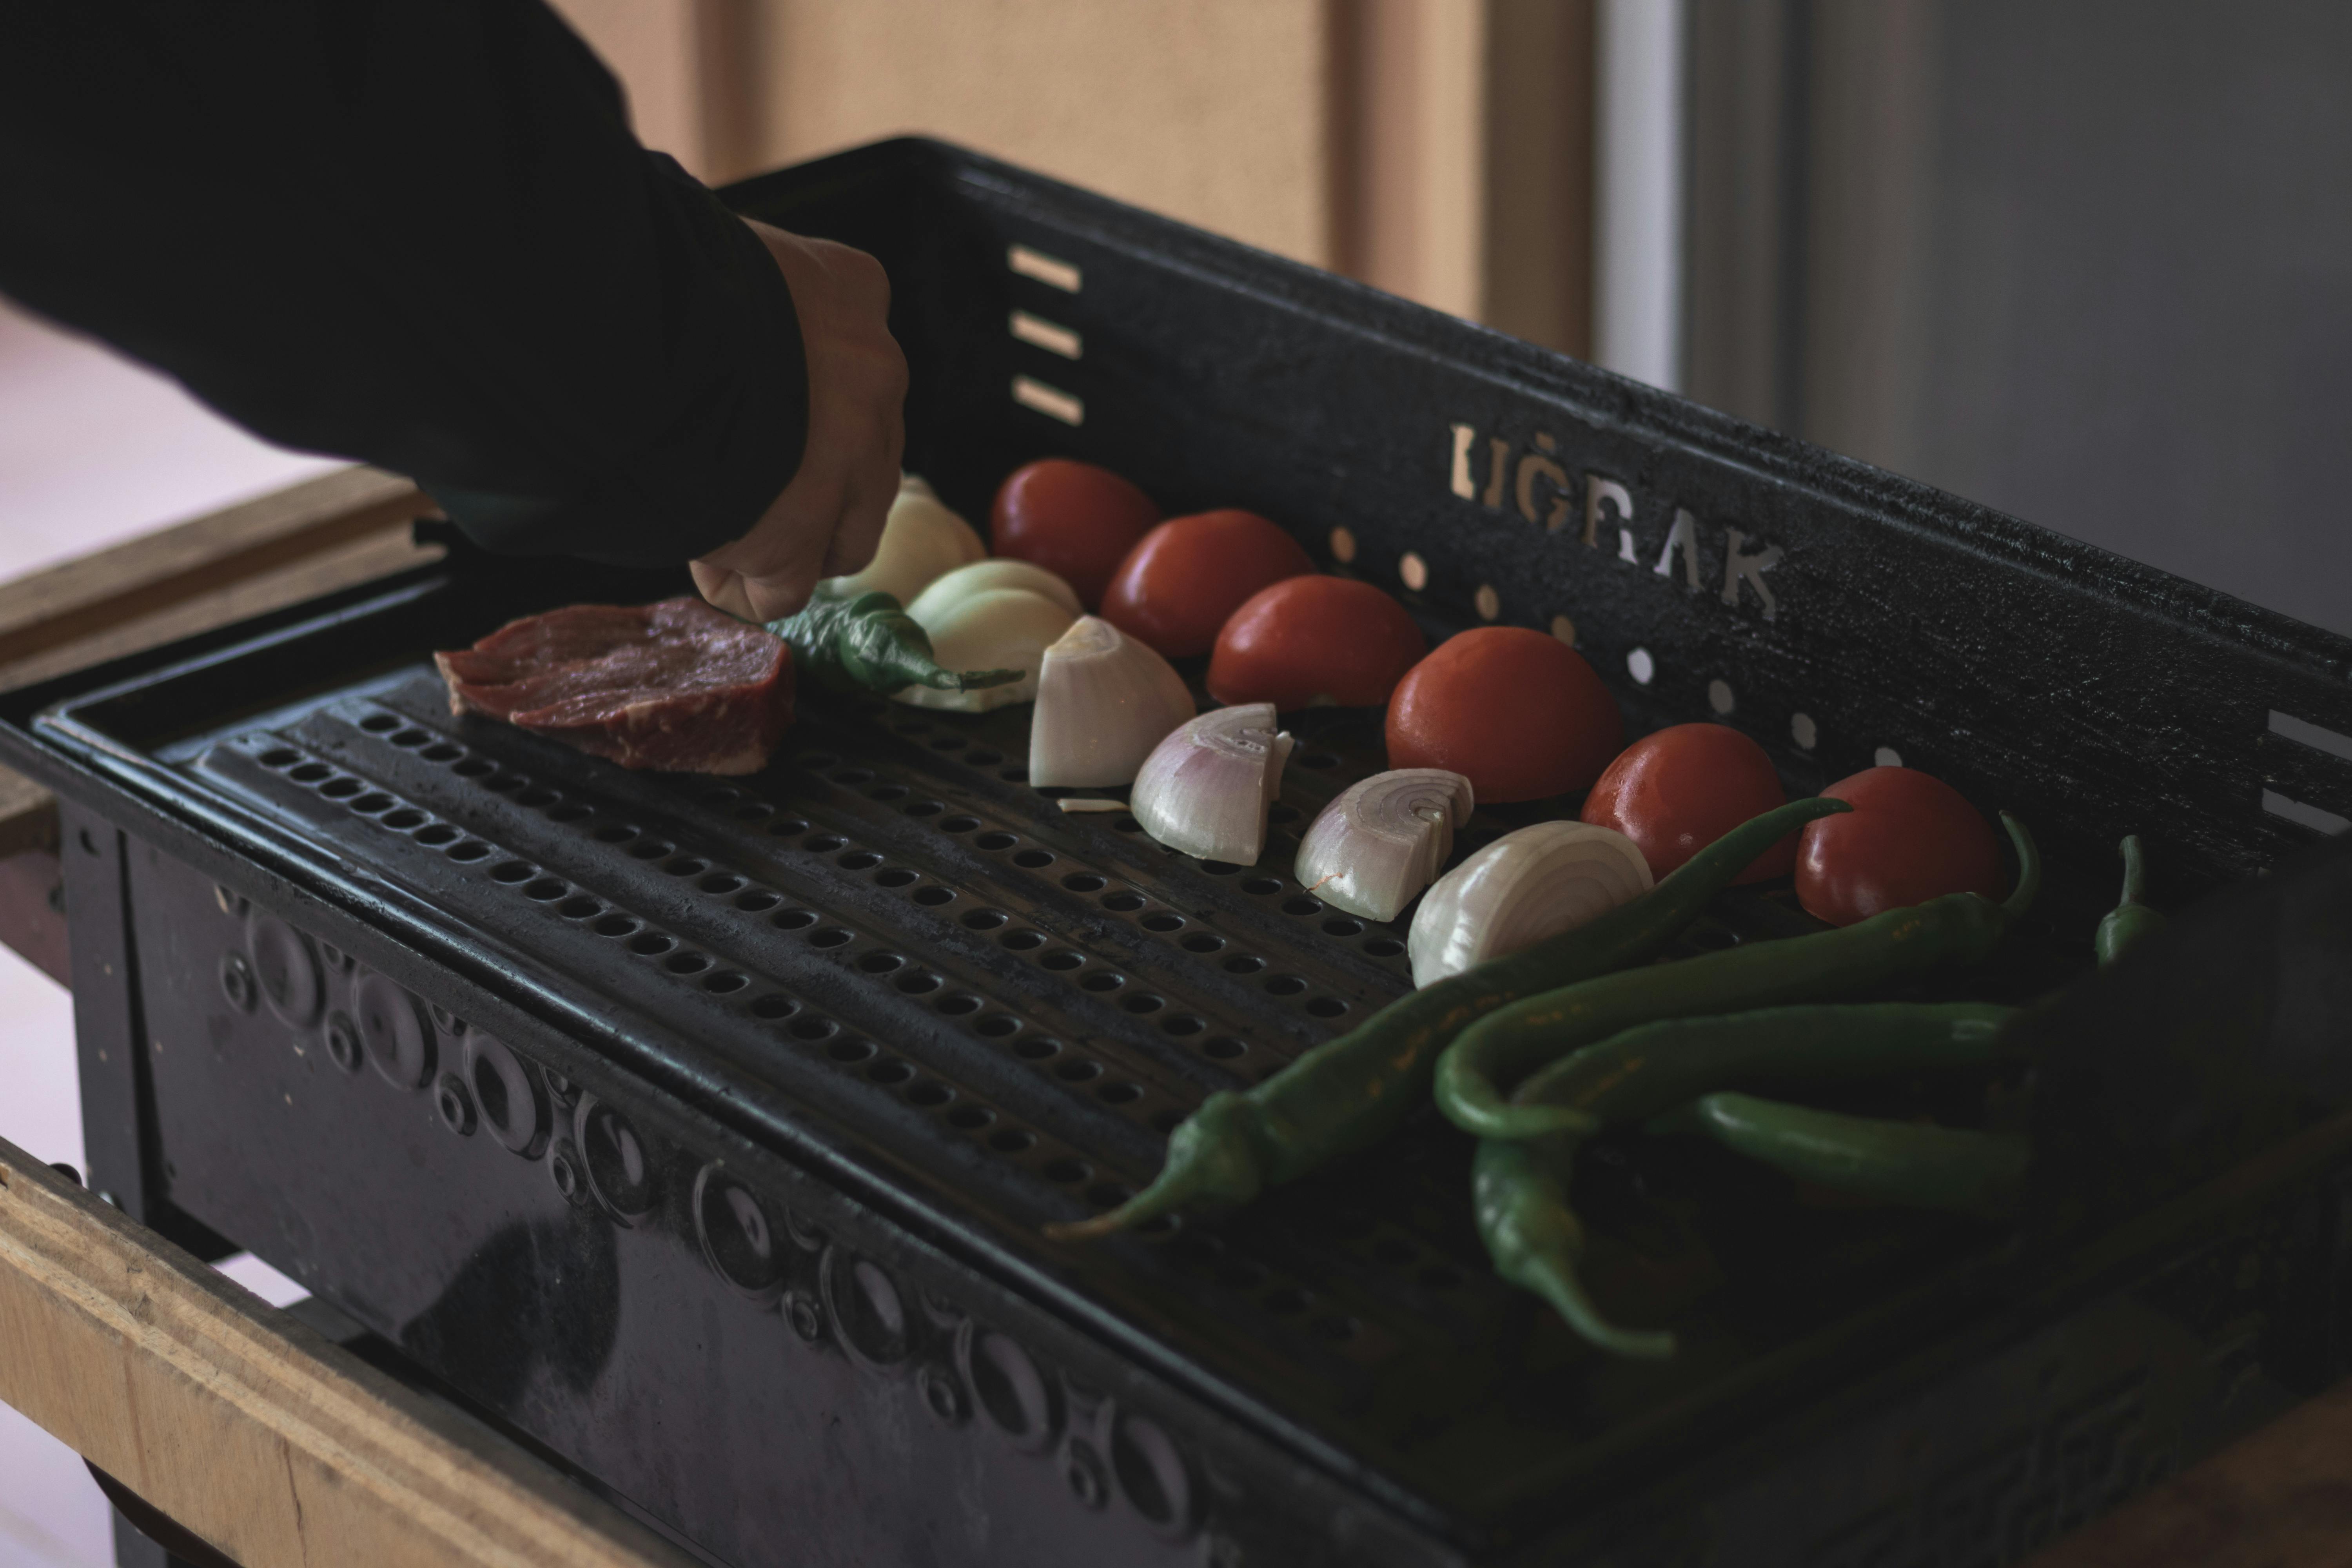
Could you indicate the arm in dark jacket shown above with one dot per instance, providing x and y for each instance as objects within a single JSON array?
[{"x": 419, "y": 233}]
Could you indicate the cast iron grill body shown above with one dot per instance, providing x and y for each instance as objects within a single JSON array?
[{"x": 703, "y": 1128}]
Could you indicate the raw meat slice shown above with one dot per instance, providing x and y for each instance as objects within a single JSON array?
[{"x": 676, "y": 686}]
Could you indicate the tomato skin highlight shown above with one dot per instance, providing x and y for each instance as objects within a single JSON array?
[
  {"x": 1675, "y": 792},
  {"x": 1077, "y": 520},
  {"x": 1305, "y": 638},
  {"x": 1175, "y": 589},
  {"x": 1517, "y": 712},
  {"x": 1909, "y": 838}
]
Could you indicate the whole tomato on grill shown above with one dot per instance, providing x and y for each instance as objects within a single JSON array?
[
  {"x": 1077, "y": 520},
  {"x": 1679, "y": 790},
  {"x": 1909, "y": 838},
  {"x": 1517, "y": 714},
  {"x": 1182, "y": 579},
  {"x": 1315, "y": 639}
]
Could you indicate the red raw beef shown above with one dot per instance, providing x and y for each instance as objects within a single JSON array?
[{"x": 676, "y": 686}]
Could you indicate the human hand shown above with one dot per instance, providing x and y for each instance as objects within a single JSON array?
[{"x": 829, "y": 519}]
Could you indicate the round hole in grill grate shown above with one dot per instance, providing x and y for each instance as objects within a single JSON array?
[
  {"x": 1259, "y": 887},
  {"x": 614, "y": 925},
  {"x": 1085, "y": 882},
  {"x": 1285, "y": 985},
  {"x": 1037, "y": 1047},
  {"x": 824, "y": 843},
  {"x": 956, "y": 1006},
  {"x": 1103, "y": 979},
  {"x": 545, "y": 889},
  {"x": 786, "y": 828},
  {"x": 441, "y": 753},
  {"x": 832, "y": 936},
  {"x": 720, "y": 883},
  {"x": 342, "y": 789},
  {"x": 1143, "y": 1002},
  {"x": 1014, "y": 775},
  {"x": 377, "y": 723},
  {"x": 996, "y": 840},
  {"x": 816, "y": 759},
  {"x": 1107, "y": 1194},
  {"x": 1124, "y": 903},
  {"x": 578, "y": 908},
  {"x": 847, "y": 1050},
  {"x": 311, "y": 773},
  {"x": 279, "y": 757},
  {"x": 929, "y": 1095},
  {"x": 1163, "y": 922},
  {"x": 1239, "y": 1274},
  {"x": 890, "y": 1072},
  {"x": 919, "y": 985},
  {"x": 534, "y": 798},
  {"x": 686, "y": 865},
  {"x": 752, "y": 810},
  {"x": 793, "y": 919},
  {"x": 469, "y": 849},
  {"x": 1327, "y": 1008},
  {"x": 897, "y": 876},
  {"x": 934, "y": 895},
  {"x": 687, "y": 962},
  {"x": 1182, "y": 1024},
  {"x": 1079, "y": 1071},
  {"x": 859, "y": 861},
  {"x": 1064, "y": 959},
  {"x": 1302, "y": 908},
  {"x": 615, "y": 833},
  {"x": 926, "y": 808},
  {"x": 513, "y": 871},
  {"x": 1343, "y": 927},
  {"x": 1119, "y": 1093},
  {"x": 1384, "y": 947},
  {"x": 984, "y": 919},
  {"x": 411, "y": 737},
  {"x": 403, "y": 820},
  {"x": 1021, "y": 940},
  {"x": 759, "y": 901},
  {"x": 571, "y": 812},
  {"x": 970, "y": 1118},
  {"x": 948, "y": 743},
  {"x": 1279, "y": 813},
  {"x": 1200, "y": 941},
  {"x": 958, "y": 823},
  {"x": 726, "y": 981},
  {"x": 853, "y": 775},
  {"x": 1219, "y": 867},
  {"x": 880, "y": 963},
  {"x": 772, "y": 1007},
  {"x": 651, "y": 849},
  {"x": 825, "y": 1029},
  {"x": 1066, "y": 1169},
  {"x": 888, "y": 793},
  {"x": 1033, "y": 860},
  {"x": 1225, "y": 1048},
  {"x": 984, "y": 756},
  {"x": 1245, "y": 964},
  {"x": 1337, "y": 1327},
  {"x": 1011, "y": 1140},
  {"x": 649, "y": 943},
  {"x": 474, "y": 768},
  {"x": 372, "y": 802},
  {"x": 996, "y": 1025},
  {"x": 911, "y": 726}
]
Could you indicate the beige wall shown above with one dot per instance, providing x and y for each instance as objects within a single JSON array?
[{"x": 1440, "y": 149}]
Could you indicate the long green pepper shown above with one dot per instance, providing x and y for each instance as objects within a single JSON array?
[
  {"x": 1916, "y": 1165},
  {"x": 871, "y": 644},
  {"x": 1348, "y": 1093},
  {"x": 1512, "y": 1042}
]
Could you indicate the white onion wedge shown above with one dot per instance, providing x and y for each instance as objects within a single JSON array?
[
  {"x": 1005, "y": 628},
  {"x": 1204, "y": 790},
  {"x": 1525, "y": 886},
  {"x": 1104, "y": 700},
  {"x": 922, "y": 538},
  {"x": 1371, "y": 851},
  {"x": 947, "y": 591}
]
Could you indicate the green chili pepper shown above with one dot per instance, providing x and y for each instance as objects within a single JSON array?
[
  {"x": 1348, "y": 1093},
  {"x": 2130, "y": 921},
  {"x": 1646, "y": 1071},
  {"x": 1519, "y": 1190},
  {"x": 1914, "y": 1163},
  {"x": 1511, "y": 1042},
  {"x": 871, "y": 644}
]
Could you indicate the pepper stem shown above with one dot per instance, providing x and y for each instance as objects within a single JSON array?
[
  {"x": 2135, "y": 871},
  {"x": 2029, "y": 869},
  {"x": 1214, "y": 1162}
]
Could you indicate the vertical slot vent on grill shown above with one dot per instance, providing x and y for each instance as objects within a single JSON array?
[
  {"x": 1051, "y": 336},
  {"x": 1050, "y": 401},
  {"x": 2310, "y": 734},
  {"x": 2310, "y": 817},
  {"x": 1048, "y": 270}
]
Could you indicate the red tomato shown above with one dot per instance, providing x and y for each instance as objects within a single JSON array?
[
  {"x": 1310, "y": 639},
  {"x": 1517, "y": 714},
  {"x": 1071, "y": 517},
  {"x": 1909, "y": 838},
  {"x": 1678, "y": 791},
  {"x": 1182, "y": 580}
]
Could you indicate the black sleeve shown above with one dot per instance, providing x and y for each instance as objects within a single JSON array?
[{"x": 419, "y": 233}]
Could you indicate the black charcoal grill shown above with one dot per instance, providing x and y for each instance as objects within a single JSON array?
[{"x": 700, "y": 1130}]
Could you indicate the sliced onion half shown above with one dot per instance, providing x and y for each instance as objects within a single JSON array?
[
  {"x": 1371, "y": 851},
  {"x": 1542, "y": 879},
  {"x": 1204, "y": 790}
]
